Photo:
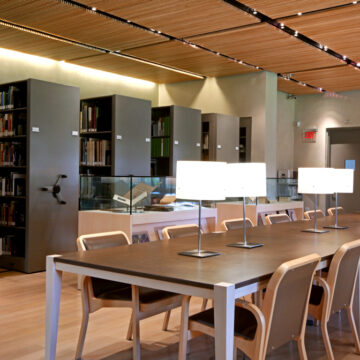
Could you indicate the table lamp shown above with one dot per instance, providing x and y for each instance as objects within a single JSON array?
[
  {"x": 315, "y": 181},
  {"x": 246, "y": 180},
  {"x": 200, "y": 180},
  {"x": 343, "y": 182}
]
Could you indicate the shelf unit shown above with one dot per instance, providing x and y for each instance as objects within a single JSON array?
[
  {"x": 219, "y": 137},
  {"x": 245, "y": 139},
  {"x": 115, "y": 136},
  {"x": 175, "y": 135},
  {"x": 38, "y": 136}
]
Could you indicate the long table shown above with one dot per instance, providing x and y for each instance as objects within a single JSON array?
[{"x": 235, "y": 273}]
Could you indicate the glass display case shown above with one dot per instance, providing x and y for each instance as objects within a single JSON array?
[{"x": 282, "y": 189}]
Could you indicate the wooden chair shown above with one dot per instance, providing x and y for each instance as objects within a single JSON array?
[
  {"x": 310, "y": 214},
  {"x": 179, "y": 231},
  {"x": 281, "y": 319},
  {"x": 340, "y": 210},
  {"x": 236, "y": 224},
  {"x": 99, "y": 293},
  {"x": 277, "y": 218},
  {"x": 336, "y": 292}
]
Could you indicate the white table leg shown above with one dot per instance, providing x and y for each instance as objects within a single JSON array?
[
  {"x": 53, "y": 291},
  {"x": 224, "y": 301}
]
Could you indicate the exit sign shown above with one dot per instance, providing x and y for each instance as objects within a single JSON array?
[{"x": 309, "y": 135}]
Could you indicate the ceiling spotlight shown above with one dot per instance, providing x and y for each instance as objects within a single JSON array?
[
  {"x": 296, "y": 33},
  {"x": 93, "y": 8},
  {"x": 325, "y": 48},
  {"x": 344, "y": 57},
  {"x": 254, "y": 12},
  {"x": 282, "y": 25},
  {"x": 320, "y": 46},
  {"x": 128, "y": 21},
  {"x": 299, "y": 13},
  {"x": 240, "y": 62},
  {"x": 257, "y": 67},
  {"x": 320, "y": 89},
  {"x": 354, "y": 2}
]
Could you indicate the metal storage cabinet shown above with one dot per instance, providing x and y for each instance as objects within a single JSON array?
[
  {"x": 52, "y": 149},
  {"x": 222, "y": 133},
  {"x": 184, "y": 135}
]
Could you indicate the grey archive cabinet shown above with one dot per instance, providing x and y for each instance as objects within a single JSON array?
[
  {"x": 115, "y": 136},
  {"x": 39, "y": 148},
  {"x": 175, "y": 135},
  {"x": 220, "y": 137}
]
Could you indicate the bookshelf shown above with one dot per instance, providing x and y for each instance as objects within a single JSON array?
[
  {"x": 175, "y": 135},
  {"x": 115, "y": 136},
  {"x": 38, "y": 136},
  {"x": 219, "y": 137}
]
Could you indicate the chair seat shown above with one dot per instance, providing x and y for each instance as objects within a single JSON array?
[
  {"x": 146, "y": 295},
  {"x": 316, "y": 295},
  {"x": 245, "y": 321}
]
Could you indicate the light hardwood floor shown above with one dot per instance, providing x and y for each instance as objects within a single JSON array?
[{"x": 22, "y": 318}]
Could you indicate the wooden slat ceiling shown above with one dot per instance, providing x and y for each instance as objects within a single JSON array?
[
  {"x": 329, "y": 78},
  {"x": 282, "y": 8},
  {"x": 338, "y": 29},
  {"x": 269, "y": 48},
  {"x": 180, "y": 18},
  {"x": 214, "y": 24}
]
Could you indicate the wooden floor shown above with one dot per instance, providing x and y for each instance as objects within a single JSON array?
[{"x": 22, "y": 331}]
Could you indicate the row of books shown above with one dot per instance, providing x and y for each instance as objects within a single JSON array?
[
  {"x": 14, "y": 185},
  {"x": 7, "y": 98},
  {"x": 12, "y": 214},
  {"x": 160, "y": 147},
  {"x": 161, "y": 126},
  {"x": 6, "y": 124},
  {"x": 12, "y": 246},
  {"x": 95, "y": 152},
  {"x": 89, "y": 116},
  {"x": 12, "y": 154}
]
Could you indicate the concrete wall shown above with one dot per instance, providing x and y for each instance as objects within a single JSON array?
[
  {"x": 247, "y": 95},
  {"x": 18, "y": 66}
]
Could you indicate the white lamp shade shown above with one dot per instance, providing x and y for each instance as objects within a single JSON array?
[
  {"x": 315, "y": 181},
  {"x": 200, "y": 180},
  {"x": 343, "y": 180},
  {"x": 246, "y": 180}
]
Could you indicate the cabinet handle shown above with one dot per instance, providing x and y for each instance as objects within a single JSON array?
[{"x": 55, "y": 189}]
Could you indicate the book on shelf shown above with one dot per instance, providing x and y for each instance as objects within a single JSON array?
[
  {"x": 161, "y": 126},
  {"x": 12, "y": 154},
  {"x": 89, "y": 116},
  {"x": 95, "y": 152},
  {"x": 13, "y": 185},
  {"x": 12, "y": 214},
  {"x": 7, "y": 98},
  {"x": 160, "y": 147},
  {"x": 6, "y": 124},
  {"x": 10, "y": 246}
]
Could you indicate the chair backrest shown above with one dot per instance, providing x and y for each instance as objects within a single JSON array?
[
  {"x": 277, "y": 218},
  {"x": 236, "y": 224},
  {"x": 342, "y": 275},
  {"x": 309, "y": 215},
  {"x": 286, "y": 301},
  {"x": 179, "y": 231},
  {"x": 340, "y": 210},
  {"x": 102, "y": 240}
]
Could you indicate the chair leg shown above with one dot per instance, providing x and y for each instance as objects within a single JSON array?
[
  {"x": 326, "y": 339},
  {"x": 184, "y": 328},
  {"x": 135, "y": 322},
  {"x": 353, "y": 328},
  {"x": 301, "y": 348},
  {"x": 166, "y": 320},
  {"x": 204, "y": 304},
  {"x": 81, "y": 340},
  {"x": 130, "y": 332}
]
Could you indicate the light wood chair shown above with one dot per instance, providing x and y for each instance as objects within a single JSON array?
[
  {"x": 277, "y": 218},
  {"x": 179, "y": 231},
  {"x": 331, "y": 211},
  {"x": 336, "y": 292},
  {"x": 99, "y": 293},
  {"x": 310, "y": 214},
  {"x": 236, "y": 224},
  {"x": 281, "y": 319}
]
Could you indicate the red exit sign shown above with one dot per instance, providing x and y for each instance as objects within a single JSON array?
[{"x": 309, "y": 135}]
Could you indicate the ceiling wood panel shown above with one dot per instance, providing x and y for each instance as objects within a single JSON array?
[
  {"x": 131, "y": 68},
  {"x": 293, "y": 88},
  {"x": 282, "y": 8},
  {"x": 185, "y": 57},
  {"x": 268, "y": 47},
  {"x": 338, "y": 29},
  {"x": 340, "y": 78},
  {"x": 180, "y": 18},
  {"x": 33, "y": 44},
  {"x": 75, "y": 23}
]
